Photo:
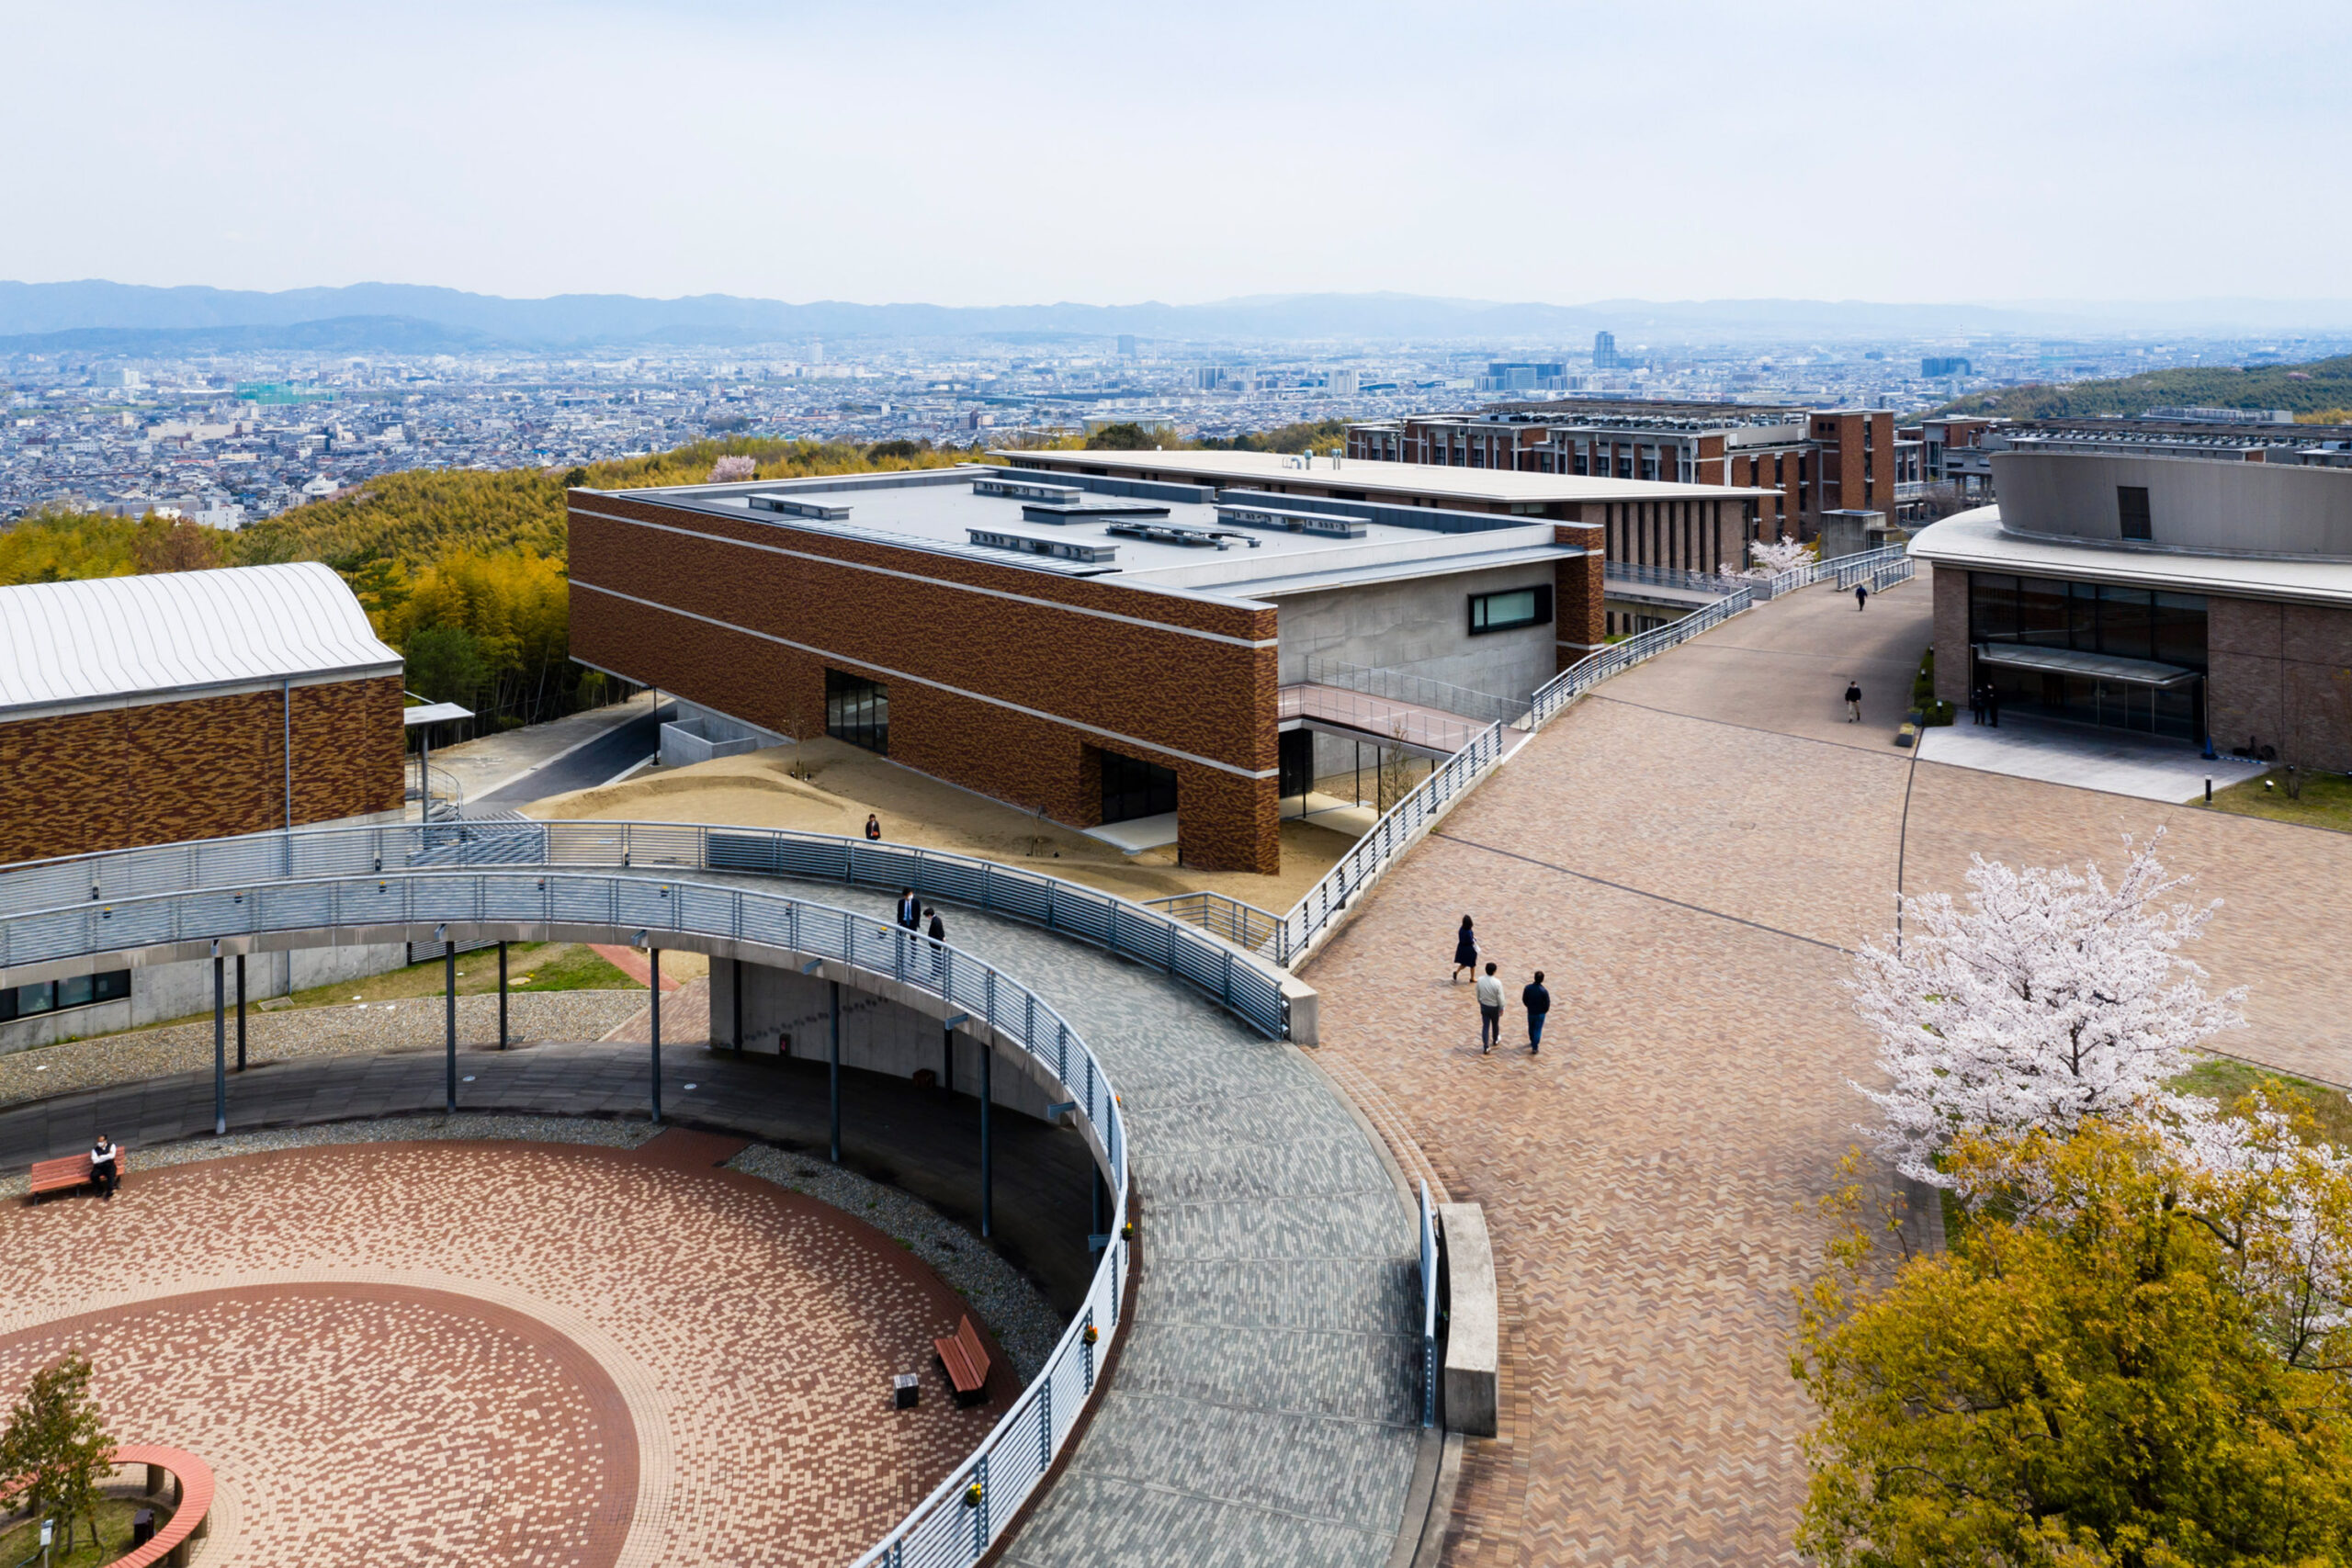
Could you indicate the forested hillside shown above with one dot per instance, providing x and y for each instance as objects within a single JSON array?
[{"x": 2321, "y": 387}]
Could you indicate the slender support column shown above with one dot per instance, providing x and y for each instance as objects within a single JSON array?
[
  {"x": 220, "y": 1047},
  {"x": 947, "y": 1060},
  {"x": 449, "y": 1022},
  {"x": 739, "y": 1006},
  {"x": 656, "y": 954},
  {"x": 1094, "y": 1192},
  {"x": 987, "y": 1142},
  {"x": 834, "y": 1070},
  {"x": 240, "y": 1011},
  {"x": 501, "y": 996}
]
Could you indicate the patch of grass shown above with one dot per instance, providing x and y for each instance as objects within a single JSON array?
[
  {"x": 577, "y": 967},
  {"x": 22, "y": 1541},
  {"x": 548, "y": 966},
  {"x": 2326, "y": 799},
  {"x": 2224, "y": 1081}
]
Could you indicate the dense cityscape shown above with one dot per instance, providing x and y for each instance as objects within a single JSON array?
[{"x": 229, "y": 438}]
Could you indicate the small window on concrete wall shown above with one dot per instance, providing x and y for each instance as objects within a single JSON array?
[
  {"x": 2132, "y": 502},
  {"x": 1509, "y": 611},
  {"x": 56, "y": 995},
  {"x": 858, "y": 711}
]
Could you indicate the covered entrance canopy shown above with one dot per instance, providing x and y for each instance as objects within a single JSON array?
[
  {"x": 2106, "y": 689},
  {"x": 2095, "y": 666}
]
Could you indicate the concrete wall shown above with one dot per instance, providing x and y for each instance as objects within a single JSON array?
[
  {"x": 2193, "y": 503},
  {"x": 1423, "y": 628},
  {"x": 693, "y": 740},
  {"x": 166, "y": 991},
  {"x": 792, "y": 1012},
  {"x": 1952, "y": 634}
]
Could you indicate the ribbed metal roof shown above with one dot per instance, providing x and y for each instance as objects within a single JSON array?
[{"x": 118, "y": 637}]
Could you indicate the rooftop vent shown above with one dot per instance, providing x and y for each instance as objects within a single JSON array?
[
  {"x": 1318, "y": 523},
  {"x": 1029, "y": 490},
  {"x": 1081, "y": 511},
  {"x": 1176, "y": 534},
  {"x": 1066, "y": 549},
  {"x": 792, "y": 507}
]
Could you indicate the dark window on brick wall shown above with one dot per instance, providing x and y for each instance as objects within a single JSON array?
[
  {"x": 56, "y": 995},
  {"x": 858, "y": 711},
  {"x": 2131, "y": 504},
  {"x": 1133, "y": 788}
]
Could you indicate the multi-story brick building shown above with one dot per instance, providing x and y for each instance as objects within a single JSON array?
[
  {"x": 1810, "y": 461},
  {"x": 1102, "y": 636},
  {"x": 143, "y": 710}
]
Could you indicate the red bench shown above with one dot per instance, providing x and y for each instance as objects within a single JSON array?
[
  {"x": 71, "y": 1173},
  {"x": 966, "y": 1363}
]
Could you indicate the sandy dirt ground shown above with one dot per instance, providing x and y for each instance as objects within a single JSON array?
[{"x": 842, "y": 784}]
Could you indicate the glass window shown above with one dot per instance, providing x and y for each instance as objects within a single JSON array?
[
  {"x": 2132, "y": 506},
  {"x": 2041, "y": 612},
  {"x": 51, "y": 996},
  {"x": 2180, "y": 629},
  {"x": 1133, "y": 788},
  {"x": 2125, "y": 628},
  {"x": 1992, "y": 607},
  {"x": 1508, "y": 610},
  {"x": 858, "y": 711},
  {"x": 74, "y": 993},
  {"x": 2082, "y": 617}
]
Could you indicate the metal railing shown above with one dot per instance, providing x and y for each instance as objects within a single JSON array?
[
  {"x": 1244, "y": 925},
  {"x": 1378, "y": 718},
  {"x": 1594, "y": 668},
  {"x": 1877, "y": 570},
  {"x": 966, "y": 1511},
  {"x": 1487, "y": 708},
  {"x": 1297, "y": 932},
  {"x": 1244, "y": 987},
  {"x": 1672, "y": 577},
  {"x": 1806, "y": 576}
]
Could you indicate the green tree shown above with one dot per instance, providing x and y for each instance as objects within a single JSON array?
[
  {"x": 2116, "y": 1366},
  {"x": 1126, "y": 436},
  {"x": 446, "y": 663},
  {"x": 1306, "y": 435},
  {"x": 56, "y": 1438}
]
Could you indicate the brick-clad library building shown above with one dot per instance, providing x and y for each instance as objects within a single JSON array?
[
  {"x": 142, "y": 710},
  {"x": 1177, "y": 642}
]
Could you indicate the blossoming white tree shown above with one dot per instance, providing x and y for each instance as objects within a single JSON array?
[
  {"x": 732, "y": 470},
  {"x": 1771, "y": 559},
  {"x": 2049, "y": 998}
]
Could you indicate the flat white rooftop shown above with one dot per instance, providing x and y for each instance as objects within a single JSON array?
[
  {"x": 1976, "y": 541},
  {"x": 1474, "y": 487},
  {"x": 1135, "y": 540}
]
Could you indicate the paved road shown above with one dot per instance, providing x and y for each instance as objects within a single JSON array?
[
  {"x": 1265, "y": 1403},
  {"x": 593, "y": 764},
  {"x": 1686, "y": 854}
]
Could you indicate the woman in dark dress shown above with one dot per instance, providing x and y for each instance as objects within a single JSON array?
[{"x": 1466, "y": 951}]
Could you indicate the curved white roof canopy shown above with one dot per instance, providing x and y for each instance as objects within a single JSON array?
[
  {"x": 1976, "y": 541},
  {"x": 182, "y": 633}
]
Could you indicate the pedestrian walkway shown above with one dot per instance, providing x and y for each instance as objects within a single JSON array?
[
  {"x": 1265, "y": 1401},
  {"x": 1690, "y": 853},
  {"x": 2114, "y": 761}
]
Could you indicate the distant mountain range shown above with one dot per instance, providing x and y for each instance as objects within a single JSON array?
[{"x": 100, "y": 317}]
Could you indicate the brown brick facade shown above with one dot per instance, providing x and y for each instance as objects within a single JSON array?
[
  {"x": 946, "y": 636},
  {"x": 205, "y": 768},
  {"x": 1578, "y": 591}
]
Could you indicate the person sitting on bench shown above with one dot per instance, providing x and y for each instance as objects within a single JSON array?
[{"x": 106, "y": 1167}]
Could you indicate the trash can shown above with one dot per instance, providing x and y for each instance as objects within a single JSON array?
[{"x": 142, "y": 1526}]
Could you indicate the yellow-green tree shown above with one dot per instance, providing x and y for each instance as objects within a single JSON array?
[
  {"x": 2117, "y": 1365},
  {"x": 56, "y": 1448}
]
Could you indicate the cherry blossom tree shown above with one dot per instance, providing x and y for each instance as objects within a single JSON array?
[
  {"x": 733, "y": 470},
  {"x": 1771, "y": 559},
  {"x": 2049, "y": 998}
]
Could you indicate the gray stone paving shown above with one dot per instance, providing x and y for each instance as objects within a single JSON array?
[{"x": 1265, "y": 1405}]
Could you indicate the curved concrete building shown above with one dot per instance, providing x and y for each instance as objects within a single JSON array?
[{"x": 2180, "y": 597}]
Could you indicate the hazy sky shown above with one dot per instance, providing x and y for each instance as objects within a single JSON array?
[{"x": 976, "y": 154}]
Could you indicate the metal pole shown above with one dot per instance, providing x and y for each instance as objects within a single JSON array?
[
  {"x": 947, "y": 1059},
  {"x": 449, "y": 1019},
  {"x": 501, "y": 996},
  {"x": 738, "y": 1006},
  {"x": 987, "y": 1146},
  {"x": 220, "y": 1047},
  {"x": 655, "y": 953},
  {"x": 241, "y": 1011},
  {"x": 835, "y": 1070},
  {"x": 425, "y": 773}
]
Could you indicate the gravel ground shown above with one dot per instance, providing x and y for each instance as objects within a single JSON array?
[
  {"x": 414, "y": 1024},
  {"x": 1025, "y": 1324}
]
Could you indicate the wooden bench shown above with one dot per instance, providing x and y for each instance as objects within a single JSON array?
[
  {"x": 966, "y": 1363},
  {"x": 176, "y": 1479},
  {"x": 70, "y": 1173}
]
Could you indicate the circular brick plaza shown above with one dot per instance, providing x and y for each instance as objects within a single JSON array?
[{"x": 501, "y": 1352}]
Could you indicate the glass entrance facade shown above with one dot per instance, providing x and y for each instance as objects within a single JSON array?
[
  {"x": 2093, "y": 618},
  {"x": 858, "y": 711},
  {"x": 1133, "y": 788}
]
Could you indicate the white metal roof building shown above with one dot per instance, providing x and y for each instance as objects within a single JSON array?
[{"x": 104, "y": 642}]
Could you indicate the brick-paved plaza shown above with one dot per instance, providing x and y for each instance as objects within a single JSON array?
[
  {"x": 1686, "y": 855},
  {"x": 501, "y": 1352}
]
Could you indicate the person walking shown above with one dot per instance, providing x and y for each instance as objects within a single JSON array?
[
  {"x": 1490, "y": 1010},
  {"x": 1466, "y": 952},
  {"x": 106, "y": 1167},
  {"x": 1976, "y": 704},
  {"x": 1537, "y": 1001},
  {"x": 938, "y": 934},
  {"x": 910, "y": 910},
  {"x": 1853, "y": 703},
  {"x": 1861, "y": 595},
  {"x": 873, "y": 827}
]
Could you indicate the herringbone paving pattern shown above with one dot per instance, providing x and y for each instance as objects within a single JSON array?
[{"x": 1688, "y": 856}]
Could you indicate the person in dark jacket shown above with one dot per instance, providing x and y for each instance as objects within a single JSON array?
[
  {"x": 1537, "y": 1001},
  {"x": 938, "y": 934},
  {"x": 1992, "y": 704},
  {"x": 909, "y": 909},
  {"x": 873, "y": 826},
  {"x": 1861, "y": 595},
  {"x": 1853, "y": 701},
  {"x": 1466, "y": 952}
]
